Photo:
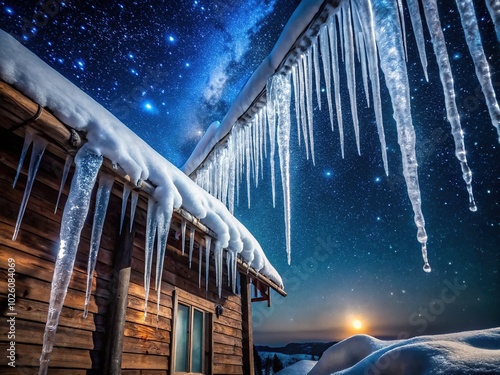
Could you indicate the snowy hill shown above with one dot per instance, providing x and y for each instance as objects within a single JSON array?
[
  {"x": 310, "y": 348},
  {"x": 473, "y": 352}
]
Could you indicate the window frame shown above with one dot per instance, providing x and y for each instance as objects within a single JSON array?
[{"x": 184, "y": 299}]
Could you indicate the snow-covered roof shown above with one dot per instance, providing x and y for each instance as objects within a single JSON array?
[{"x": 109, "y": 137}]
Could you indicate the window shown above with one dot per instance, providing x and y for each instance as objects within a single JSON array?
[{"x": 191, "y": 339}]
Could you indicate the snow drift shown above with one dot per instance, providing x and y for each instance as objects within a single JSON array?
[{"x": 472, "y": 352}]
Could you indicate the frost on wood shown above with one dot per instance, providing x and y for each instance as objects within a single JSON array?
[{"x": 74, "y": 215}]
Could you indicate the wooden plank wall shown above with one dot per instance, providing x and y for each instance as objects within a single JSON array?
[{"x": 80, "y": 342}]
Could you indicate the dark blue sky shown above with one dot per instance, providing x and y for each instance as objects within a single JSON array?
[{"x": 168, "y": 69}]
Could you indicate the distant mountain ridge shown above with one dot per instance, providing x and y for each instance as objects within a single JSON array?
[{"x": 312, "y": 348}]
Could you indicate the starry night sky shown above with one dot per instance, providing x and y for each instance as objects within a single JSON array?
[{"x": 168, "y": 69}]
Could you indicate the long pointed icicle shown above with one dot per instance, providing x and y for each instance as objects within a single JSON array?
[
  {"x": 325, "y": 56},
  {"x": 133, "y": 206},
  {"x": 295, "y": 81},
  {"x": 28, "y": 140},
  {"x": 439, "y": 45},
  {"x": 388, "y": 34},
  {"x": 332, "y": 35},
  {"x": 494, "y": 9},
  {"x": 309, "y": 100},
  {"x": 151, "y": 223},
  {"x": 350, "y": 69},
  {"x": 403, "y": 26},
  {"x": 363, "y": 8},
  {"x": 200, "y": 261},
  {"x": 283, "y": 92},
  {"x": 39, "y": 145},
  {"x": 125, "y": 195},
  {"x": 183, "y": 235},
  {"x": 191, "y": 244},
  {"x": 164, "y": 218},
  {"x": 101, "y": 206},
  {"x": 208, "y": 243},
  {"x": 303, "y": 112},
  {"x": 316, "y": 71},
  {"x": 74, "y": 215},
  {"x": 416, "y": 22},
  {"x": 473, "y": 38},
  {"x": 218, "y": 251},
  {"x": 271, "y": 122},
  {"x": 64, "y": 177}
]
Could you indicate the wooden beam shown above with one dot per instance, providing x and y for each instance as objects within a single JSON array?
[
  {"x": 118, "y": 301},
  {"x": 246, "y": 307}
]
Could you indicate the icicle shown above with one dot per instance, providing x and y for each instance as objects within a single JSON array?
[
  {"x": 316, "y": 71},
  {"x": 248, "y": 157},
  {"x": 101, "y": 206},
  {"x": 309, "y": 95},
  {"x": 403, "y": 27},
  {"x": 439, "y": 45},
  {"x": 218, "y": 251},
  {"x": 67, "y": 167},
  {"x": 74, "y": 215},
  {"x": 332, "y": 34},
  {"x": 297, "y": 99},
  {"x": 151, "y": 224},
  {"x": 39, "y": 145},
  {"x": 471, "y": 30},
  {"x": 126, "y": 192},
  {"x": 164, "y": 218},
  {"x": 191, "y": 244},
  {"x": 325, "y": 57},
  {"x": 271, "y": 122},
  {"x": 208, "y": 243},
  {"x": 200, "y": 260},
  {"x": 183, "y": 235},
  {"x": 282, "y": 84},
  {"x": 391, "y": 54},
  {"x": 350, "y": 69},
  {"x": 234, "y": 272},
  {"x": 494, "y": 9},
  {"x": 133, "y": 206},
  {"x": 303, "y": 112},
  {"x": 363, "y": 9},
  {"x": 228, "y": 268},
  {"x": 28, "y": 140},
  {"x": 416, "y": 21},
  {"x": 360, "y": 44},
  {"x": 232, "y": 181},
  {"x": 262, "y": 132}
]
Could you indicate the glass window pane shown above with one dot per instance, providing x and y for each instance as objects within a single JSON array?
[
  {"x": 181, "y": 338},
  {"x": 197, "y": 344}
]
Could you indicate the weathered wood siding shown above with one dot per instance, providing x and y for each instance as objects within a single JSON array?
[{"x": 80, "y": 343}]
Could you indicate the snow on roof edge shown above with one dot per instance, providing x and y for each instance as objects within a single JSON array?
[{"x": 109, "y": 137}]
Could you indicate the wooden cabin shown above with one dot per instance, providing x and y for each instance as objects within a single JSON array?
[{"x": 196, "y": 331}]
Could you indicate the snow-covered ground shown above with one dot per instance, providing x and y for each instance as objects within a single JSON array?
[
  {"x": 472, "y": 352},
  {"x": 286, "y": 359}
]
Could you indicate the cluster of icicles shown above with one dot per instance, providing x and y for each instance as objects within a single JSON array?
[
  {"x": 364, "y": 32},
  {"x": 88, "y": 164}
]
